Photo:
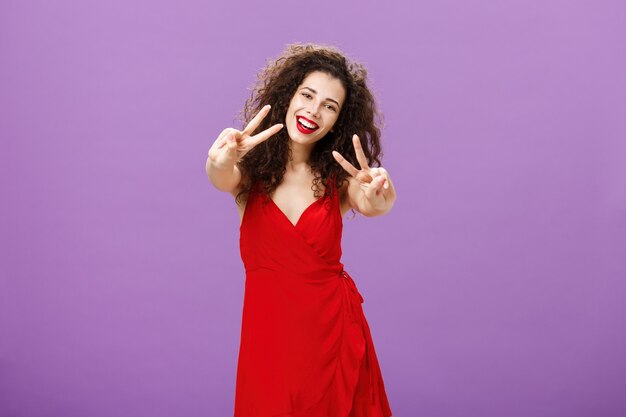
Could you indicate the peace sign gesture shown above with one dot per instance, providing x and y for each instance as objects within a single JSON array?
[
  {"x": 232, "y": 144},
  {"x": 370, "y": 191}
]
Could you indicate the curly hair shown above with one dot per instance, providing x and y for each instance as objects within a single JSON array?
[{"x": 276, "y": 85}]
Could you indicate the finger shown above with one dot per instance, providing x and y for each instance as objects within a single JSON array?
[
  {"x": 374, "y": 173},
  {"x": 224, "y": 132},
  {"x": 221, "y": 140},
  {"x": 345, "y": 164},
  {"x": 373, "y": 188},
  {"x": 378, "y": 186},
  {"x": 232, "y": 143},
  {"x": 387, "y": 179},
  {"x": 382, "y": 180},
  {"x": 254, "y": 123},
  {"x": 381, "y": 172},
  {"x": 360, "y": 155},
  {"x": 264, "y": 135},
  {"x": 228, "y": 146}
]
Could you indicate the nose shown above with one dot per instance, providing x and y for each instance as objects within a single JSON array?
[{"x": 314, "y": 110}]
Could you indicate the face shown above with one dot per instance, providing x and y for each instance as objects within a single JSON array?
[{"x": 314, "y": 108}]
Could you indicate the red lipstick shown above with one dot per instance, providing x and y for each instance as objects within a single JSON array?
[{"x": 305, "y": 129}]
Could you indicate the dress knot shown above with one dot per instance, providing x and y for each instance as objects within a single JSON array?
[{"x": 351, "y": 284}]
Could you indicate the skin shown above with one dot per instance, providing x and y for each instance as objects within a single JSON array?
[{"x": 319, "y": 98}]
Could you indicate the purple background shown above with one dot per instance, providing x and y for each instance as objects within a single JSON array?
[{"x": 495, "y": 287}]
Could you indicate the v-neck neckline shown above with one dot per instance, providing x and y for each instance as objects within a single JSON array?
[{"x": 301, "y": 214}]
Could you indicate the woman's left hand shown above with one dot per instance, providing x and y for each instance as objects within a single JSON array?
[{"x": 375, "y": 193}]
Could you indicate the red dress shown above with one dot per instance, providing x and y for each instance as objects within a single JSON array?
[{"x": 306, "y": 348}]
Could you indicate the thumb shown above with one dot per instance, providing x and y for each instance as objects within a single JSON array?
[{"x": 231, "y": 147}]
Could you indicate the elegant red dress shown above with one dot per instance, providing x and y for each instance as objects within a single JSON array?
[{"x": 306, "y": 348}]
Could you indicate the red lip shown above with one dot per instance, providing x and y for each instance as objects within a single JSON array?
[{"x": 303, "y": 129}]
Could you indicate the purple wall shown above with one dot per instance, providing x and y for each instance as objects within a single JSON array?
[{"x": 495, "y": 287}]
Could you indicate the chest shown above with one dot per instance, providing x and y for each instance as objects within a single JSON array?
[
  {"x": 294, "y": 195},
  {"x": 267, "y": 233}
]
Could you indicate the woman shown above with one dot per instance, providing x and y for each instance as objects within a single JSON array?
[{"x": 306, "y": 348}]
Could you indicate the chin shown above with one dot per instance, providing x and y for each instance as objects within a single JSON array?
[
  {"x": 300, "y": 141},
  {"x": 300, "y": 138}
]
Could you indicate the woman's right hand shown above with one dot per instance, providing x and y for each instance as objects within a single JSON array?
[{"x": 233, "y": 144}]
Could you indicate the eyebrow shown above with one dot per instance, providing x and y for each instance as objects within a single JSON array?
[{"x": 328, "y": 98}]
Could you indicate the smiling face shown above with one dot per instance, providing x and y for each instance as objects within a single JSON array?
[{"x": 314, "y": 108}]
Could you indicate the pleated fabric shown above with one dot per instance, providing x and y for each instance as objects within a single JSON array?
[{"x": 306, "y": 348}]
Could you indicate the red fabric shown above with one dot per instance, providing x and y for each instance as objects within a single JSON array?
[{"x": 306, "y": 348}]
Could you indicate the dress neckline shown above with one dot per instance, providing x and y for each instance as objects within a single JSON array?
[
  {"x": 256, "y": 189},
  {"x": 282, "y": 213}
]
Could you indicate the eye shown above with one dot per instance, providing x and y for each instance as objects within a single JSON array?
[
  {"x": 331, "y": 107},
  {"x": 307, "y": 95}
]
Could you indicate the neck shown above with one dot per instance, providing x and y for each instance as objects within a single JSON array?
[{"x": 300, "y": 155}]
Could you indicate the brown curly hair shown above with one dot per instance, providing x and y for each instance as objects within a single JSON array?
[{"x": 276, "y": 84}]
